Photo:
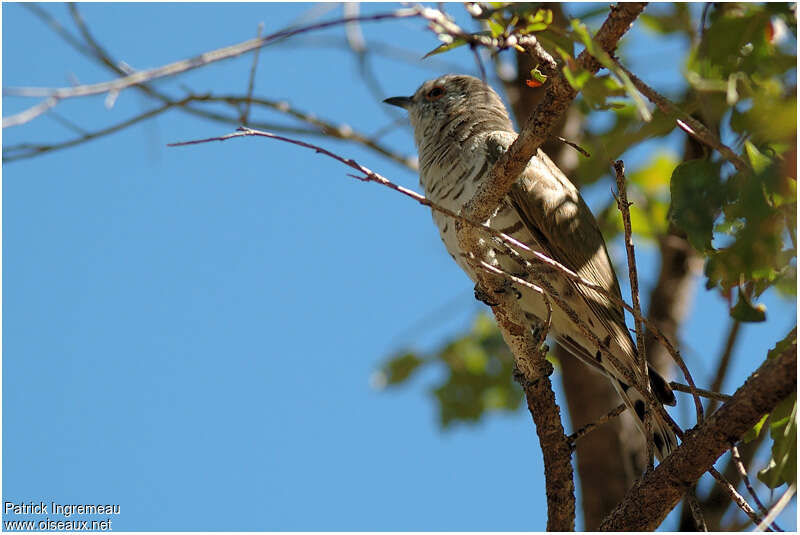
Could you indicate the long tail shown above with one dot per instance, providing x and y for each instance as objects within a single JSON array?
[{"x": 664, "y": 438}]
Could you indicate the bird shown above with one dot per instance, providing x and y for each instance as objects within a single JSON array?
[{"x": 461, "y": 128}]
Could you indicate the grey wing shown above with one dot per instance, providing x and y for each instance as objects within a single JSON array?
[{"x": 557, "y": 216}]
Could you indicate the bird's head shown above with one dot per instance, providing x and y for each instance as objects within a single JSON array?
[{"x": 450, "y": 102}]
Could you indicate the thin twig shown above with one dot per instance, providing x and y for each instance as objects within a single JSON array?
[
  {"x": 725, "y": 359},
  {"x": 28, "y": 150},
  {"x": 339, "y": 131},
  {"x": 685, "y": 121},
  {"x": 737, "y": 498},
  {"x": 185, "y": 65},
  {"x": 52, "y": 114},
  {"x": 651, "y": 498},
  {"x": 694, "y": 506},
  {"x": 624, "y": 208},
  {"x": 574, "y": 146},
  {"x": 371, "y": 176},
  {"x": 588, "y": 428},
  {"x": 97, "y": 52},
  {"x": 737, "y": 462},
  {"x": 538, "y": 390},
  {"x": 31, "y": 113},
  {"x": 55, "y": 26},
  {"x": 358, "y": 45},
  {"x": 252, "y": 79},
  {"x": 779, "y": 506},
  {"x": 700, "y": 391}
]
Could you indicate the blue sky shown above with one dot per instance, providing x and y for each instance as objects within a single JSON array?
[{"x": 190, "y": 332}]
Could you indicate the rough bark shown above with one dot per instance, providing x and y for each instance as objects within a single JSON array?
[
  {"x": 539, "y": 125},
  {"x": 656, "y": 494},
  {"x": 538, "y": 128},
  {"x": 610, "y": 458}
]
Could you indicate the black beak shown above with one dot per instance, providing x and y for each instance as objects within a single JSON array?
[{"x": 401, "y": 102}]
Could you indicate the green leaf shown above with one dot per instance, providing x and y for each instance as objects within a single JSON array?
[
  {"x": 581, "y": 31},
  {"x": 783, "y": 430},
  {"x": 655, "y": 177},
  {"x": 753, "y": 433},
  {"x": 746, "y": 312},
  {"x": 478, "y": 374},
  {"x": 445, "y": 47},
  {"x": 495, "y": 27},
  {"x": 788, "y": 341},
  {"x": 400, "y": 368},
  {"x": 540, "y": 21},
  {"x": 678, "y": 20},
  {"x": 537, "y": 75},
  {"x": 697, "y": 194},
  {"x": 758, "y": 161},
  {"x": 457, "y": 42},
  {"x": 576, "y": 78}
]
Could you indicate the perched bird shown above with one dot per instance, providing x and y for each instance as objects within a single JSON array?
[{"x": 461, "y": 128}]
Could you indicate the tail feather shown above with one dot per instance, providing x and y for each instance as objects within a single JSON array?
[{"x": 664, "y": 438}]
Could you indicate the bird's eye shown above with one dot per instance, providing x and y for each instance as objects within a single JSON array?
[{"x": 435, "y": 93}]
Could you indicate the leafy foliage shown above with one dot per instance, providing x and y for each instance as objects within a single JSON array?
[
  {"x": 697, "y": 192},
  {"x": 477, "y": 374}
]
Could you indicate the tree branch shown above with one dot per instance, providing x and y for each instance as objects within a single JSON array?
[
  {"x": 178, "y": 67},
  {"x": 547, "y": 114},
  {"x": 633, "y": 277},
  {"x": 689, "y": 124},
  {"x": 555, "y": 447},
  {"x": 654, "y": 496}
]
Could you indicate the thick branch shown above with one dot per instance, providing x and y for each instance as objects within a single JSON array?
[
  {"x": 654, "y": 496},
  {"x": 541, "y": 123},
  {"x": 555, "y": 448}
]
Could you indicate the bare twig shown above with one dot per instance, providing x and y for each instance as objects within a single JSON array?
[
  {"x": 779, "y": 506},
  {"x": 252, "y": 79},
  {"x": 737, "y": 461},
  {"x": 633, "y": 277},
  {"x": 182, "y": 66},
  {"x": 686, "y": 122},
  {"x": 30, "y": 113},
  {"x": 588, "y": 428},
  {"x": 461, "y": 219},
  {"x": 322, "y": 127},
  {"x": 737, "y": 498},
  {"x": 725, "y": 360},
  {"x": 327, "y": 128},
  {"x": 574, "y": 146},
  {"x": 55, "y": 26},
  {"x": 517, "y": 334},
  {"x": 358, "y": 45},
  {"x": 479, "y": 62},
  {"x": 26, "y": 150},
  {"x": 694, "y": 506},
  {"x": 700, "y": 392},
  {"x": 96, "y": 51}
]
